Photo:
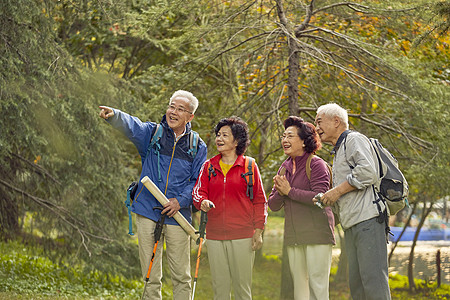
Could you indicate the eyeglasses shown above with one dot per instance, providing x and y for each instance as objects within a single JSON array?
[
  {"x": 172, "y": 107},
  {"x": 288, "y": 137}
]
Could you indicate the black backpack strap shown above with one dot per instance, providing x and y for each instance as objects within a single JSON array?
[
  {"x": 211, "y": 171},
  {"x": 380, "y": 166},
  {"x": 249, "y": 165}
]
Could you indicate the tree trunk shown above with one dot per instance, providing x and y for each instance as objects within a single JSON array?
[
  {"x": 426, "y": 212},
  {"x": 262, "y": 145},
  {"x": 293, "y": 60},
  {"x": 342, "y": 271},
  {"x": 293, "y": 77},
  {"x": 287, "y": 285},
  {"x": 9, "y": 216},
  {"x": 394, "y": 244}
]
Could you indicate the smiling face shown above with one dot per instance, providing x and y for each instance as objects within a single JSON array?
[
  {"x": 328, "y": 128},
  {"x": 292, "y": 144},
  {"x": 178, "y": 114},
  {"x": 225, "y": 141}
]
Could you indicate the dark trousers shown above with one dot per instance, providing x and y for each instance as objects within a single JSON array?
[{"x": 367, "y": 260}]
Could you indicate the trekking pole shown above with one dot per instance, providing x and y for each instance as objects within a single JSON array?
[
  {"x": 157, "y": 234},
  {"x": 201, "y": 229}
]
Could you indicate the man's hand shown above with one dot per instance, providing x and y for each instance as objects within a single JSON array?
[
  {"x": 171, "y": 207},
  {"x": 207, "y": 205},
  {"x": 330, "y": 197},
  {"x": 281, "y": 185},
  {"x": 106, "y": 112},
  {"x": 257, "y": 239}
]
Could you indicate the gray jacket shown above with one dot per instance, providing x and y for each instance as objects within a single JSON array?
[{"x": 355, "y": 161}]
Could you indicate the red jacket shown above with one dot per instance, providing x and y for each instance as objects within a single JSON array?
[{"x": 235, "y": 216}]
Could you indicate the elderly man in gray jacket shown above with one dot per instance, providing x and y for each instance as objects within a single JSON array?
[{"x": 355, "y": 171}]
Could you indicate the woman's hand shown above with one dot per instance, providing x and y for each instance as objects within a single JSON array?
[
  {"x": 207, "y": 205},
  {"x": 257, "y": 239},
  {"x": 281, "y": 185}
]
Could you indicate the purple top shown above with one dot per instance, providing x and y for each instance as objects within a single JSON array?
[{"x": 305, "y": 223}]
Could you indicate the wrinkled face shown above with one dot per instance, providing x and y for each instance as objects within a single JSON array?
[
  {"x": 292, "y": 144},
  {"x": 225, "y": 141},
  {"x": 326, "y": 127},
  {"x": 178, "y": 114}
]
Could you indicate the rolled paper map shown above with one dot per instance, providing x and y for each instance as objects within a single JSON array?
[{"x": 163, "y": 200}]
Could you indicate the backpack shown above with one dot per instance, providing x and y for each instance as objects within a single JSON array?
[
  {"x": 392, "y": 188},
  {"x": 249, "y": 177},
  {"x": 155, "y": 145}
]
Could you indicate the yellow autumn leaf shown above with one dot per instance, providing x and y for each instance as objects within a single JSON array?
[{"x": 38, "y": 158}]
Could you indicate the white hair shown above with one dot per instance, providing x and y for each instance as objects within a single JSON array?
[
  {"x": 193, "y": 101},
  {"x": 334, "y": 110}
]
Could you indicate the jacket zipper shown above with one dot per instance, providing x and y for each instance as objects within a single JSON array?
[
  {"x": 170, "y": 165},
  {"x": 223, "y": 204},
  {"x": 291, "y": 213}
]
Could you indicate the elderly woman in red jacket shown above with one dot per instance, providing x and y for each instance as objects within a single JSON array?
[
  {"x": 308, "y": 229},
  {"x": 235, "y": 221}
]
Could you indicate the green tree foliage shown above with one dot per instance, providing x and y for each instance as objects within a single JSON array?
[{"x": 62, "y": 173}]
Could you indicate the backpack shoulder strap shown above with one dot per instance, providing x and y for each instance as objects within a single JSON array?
[
  {"x": 374, "y": 143},
  {"x": 157, "y": 134},
  {"x": 249, "y": 165},
  {"x": 154, "y": 143},
  {"x": 308, "y": 166},
  {"x": 308, "y": 169},
  {"x": 193, "y": 143},
  {"x": 211, "y": 171}
]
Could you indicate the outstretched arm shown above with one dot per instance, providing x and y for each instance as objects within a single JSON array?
[{"x": 138, "y": 132}]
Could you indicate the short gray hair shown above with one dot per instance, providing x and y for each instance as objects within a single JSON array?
[
  {"x": 334, "y": 110},
  {"x": 193, "y": 101}
]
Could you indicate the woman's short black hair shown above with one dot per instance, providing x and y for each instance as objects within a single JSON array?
[
  {"x": 306, "y": 131},
  {"x": 239, "y": 129}
]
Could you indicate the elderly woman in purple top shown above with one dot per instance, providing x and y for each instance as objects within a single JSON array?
[{"x": 308, "y": 229}]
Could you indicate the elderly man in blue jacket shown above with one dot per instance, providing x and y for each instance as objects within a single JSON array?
[{"x": 174, "y": 170}]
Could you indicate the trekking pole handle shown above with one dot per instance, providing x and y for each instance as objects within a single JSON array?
[
  {"x": 203, "y": 221},
  {"x": 204, "y": 215}
]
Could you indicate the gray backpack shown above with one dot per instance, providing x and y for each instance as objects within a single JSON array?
[{"x": 392, "y": 188}]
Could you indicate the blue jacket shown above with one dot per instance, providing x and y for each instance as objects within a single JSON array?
[{"x": 178, "y": 169}]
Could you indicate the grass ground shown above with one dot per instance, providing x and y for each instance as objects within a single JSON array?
[{"x": 26, "y": 274}]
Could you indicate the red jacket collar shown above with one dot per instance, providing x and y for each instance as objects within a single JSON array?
[{"x": 240, "y": 161}]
